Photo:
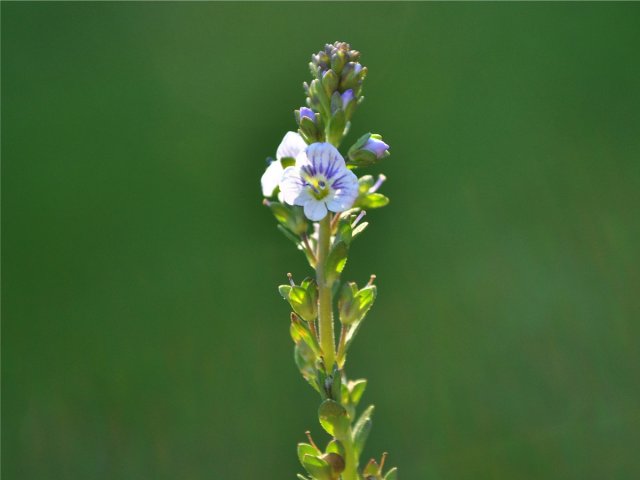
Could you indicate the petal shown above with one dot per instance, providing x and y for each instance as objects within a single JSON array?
[
  {"x": 291, "y": 185},
  {"x": 292, "y": 144},
  {"x": 304, "y": 197},
  {"x": 326, "y": 159},
  {"x": 271, "y": 178},
  {"x": 315, "y": 210},
  {"x": 344, "y": 192},
  {"x": 302, "y": 159}
]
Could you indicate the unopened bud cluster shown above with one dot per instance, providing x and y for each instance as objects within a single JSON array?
[{"x": 335, "y": 91}]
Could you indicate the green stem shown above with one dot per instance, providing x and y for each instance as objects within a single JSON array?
[
  {"x": 351, "y": 460},
  {"x": 325, "y": 301}
]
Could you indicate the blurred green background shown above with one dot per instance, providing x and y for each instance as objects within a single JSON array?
[{"x": 143, "y": 336}]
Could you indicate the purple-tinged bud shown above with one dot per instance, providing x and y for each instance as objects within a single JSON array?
[
  {"x": 307, "y": 112},
  {"x": 347, "y": 97},
  {"x": 376, "y": 146}
]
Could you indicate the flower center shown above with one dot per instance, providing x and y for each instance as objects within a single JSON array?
[{"x": 318, "y": 187}]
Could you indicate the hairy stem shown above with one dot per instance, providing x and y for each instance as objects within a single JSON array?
[{"x": 325, "y": 301}]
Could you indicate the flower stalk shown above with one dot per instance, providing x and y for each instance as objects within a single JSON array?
[{"x": 319, "y": 204}]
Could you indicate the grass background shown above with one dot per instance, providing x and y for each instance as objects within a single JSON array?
[{"x": 143, "y": 337}]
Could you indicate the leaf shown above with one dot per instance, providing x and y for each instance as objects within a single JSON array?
[
  {"x": 336, "y": 261},
  {"x": 284, "y": 291},
  {"x": 359, "y": 229},
  {"x": 346, "y": 306},
  {"x": 300, "y": 331},
  {"x": 360, "y": 434},
  {"x": 365, "y": 182},
  {"x": 364, "y": 416},
  {"x": 302, "y": 303},
  {"x": 357, "y": 390},
  {"x": 372, "y": 200},
  {"x": 306, "y": 449},
  {"x": 317, "y": 467},
  {"x": 336, "y": 126},
  {"x": 290, "y": 217},
  {"x": 336, "y": 384},
  {"x": 304, "y": 359},
  {"x": 333, "y": 418},
  {"x": 365, "y": 299},
  {"x": 343, "y": 233},
  {"x": 335, "y": 446},
  {"x": 372, "y": 468}
]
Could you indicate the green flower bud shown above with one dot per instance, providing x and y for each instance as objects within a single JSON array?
[{"x": 330, "y": 82}]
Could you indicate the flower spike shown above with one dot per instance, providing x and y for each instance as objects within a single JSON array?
[{"x": 320, "y": 207}]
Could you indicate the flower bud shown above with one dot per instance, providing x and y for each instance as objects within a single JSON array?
[
  {"x": 375, "y": 145},
  {"x": 347, "y": 97},
  {"x": 329, "y": 82},
  {"x": 307, "y": 112},
  {"x": 368, "y": 150}
]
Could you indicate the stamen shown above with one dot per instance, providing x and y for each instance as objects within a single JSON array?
[
  {"x": 313, "y": 444},
  {"x": 358, "y": 218},
  {"x": 266, "y": 202},
  {"x": 372, "y": 279},
  {"x": 290, "y": 277},
  {"x": 376, "y": 186},
  {"x": 382, "y": 460}
]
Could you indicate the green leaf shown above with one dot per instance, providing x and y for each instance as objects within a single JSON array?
[
  {"x": 359, "y": 229},
  {"x": 347, "y": 308},
  {"x": 303, "y": 304},
  {"x": 364, "y": 416},
  {"x": 335, "y": 446},
  {"x": 302, "y": 477},
  {"x": 365, "y": 182},
  {"x": 365, "y": 299},
  {"x": 343, "y": 233},
  {"x": 392, "y": 474},
  {"x": 317, "y": 467},
  {"x": 360, "y": 434},
  {"x": 304, "y": 359},
  {"x": 336, "y": 126},
  {"x": 357, "y": 390},
  {"x": 372, "y": 468},
  {"x": 301, "y": 332},
  {"x": 306, "y": 449},
  {"x": 372, "y": 200},
  {"x": 284, "y": 291},
  {"x": 336, "y": 261},
  {"x": 336, "y": 384},
  {"x": 290, "y": 217},
  {"x": 333, "y": 418}
]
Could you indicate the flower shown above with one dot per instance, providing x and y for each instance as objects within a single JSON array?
[
  {"x": 292, "y": 144},
  {"x": 319, "y": 181},
  {"x": 376, "y": 146}
]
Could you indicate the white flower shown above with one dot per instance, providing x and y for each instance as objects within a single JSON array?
[
  {"x": 292, "y": 144},
  {"x": 319, "y": 181}
]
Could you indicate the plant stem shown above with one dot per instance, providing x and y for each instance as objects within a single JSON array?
[
  {"x": 351, "y": 460},
  {"x": 325, "y": 301}
]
